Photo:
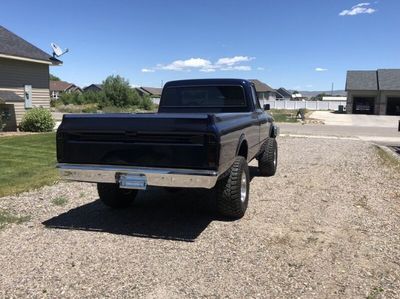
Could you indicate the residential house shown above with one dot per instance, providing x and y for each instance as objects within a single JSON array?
[
  {"x": 153, "y": 92},
  {"x": 24, "y": 76},
  {"x": 264, "y": 91},
  {"x": 297, "y": 96},
  {"x": 373, "y": 92},
  {"x": 283, "y": 94},
  {"x": 93, "y": 88},
  {"x": 59, "y": 87}
]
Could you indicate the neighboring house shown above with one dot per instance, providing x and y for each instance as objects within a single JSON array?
[
  {"x": 153, "y": 92},
  {"x": 93, "y": 88},
  {"x": 59, "y": 87},
  {"x": 264, "y": 92},
  {"x": 24, "y": 76},
  {"x": 297, "y": 96},
  {"x": 283, "y": 94},
  {"x": 373, "y": 92}
]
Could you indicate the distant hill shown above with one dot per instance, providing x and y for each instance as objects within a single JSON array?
[{"x": 310, "y": 94}]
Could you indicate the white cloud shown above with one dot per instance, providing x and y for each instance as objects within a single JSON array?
[
  {"x": 207, "y": 70},
  {"x": 180, "y": 65},
  {"x": 206, "y": 66},
  {"x": 147, "y": 70},
  {"x": 242, "y": 68},
  {"x": 320, "y": 69},
  {"x": 260, "y": 68},
  {"x": 233, "y": 60},
  {"x": 360, "y": 8}
]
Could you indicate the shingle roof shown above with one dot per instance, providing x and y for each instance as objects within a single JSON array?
[
  {"x": 389, "y": 79},
  {"x": 261, "y": 86},
  {"x": 155, "y": 91},
  {"x": 59, "y": 85},
  {"x": 98, "y": 86},
  {"x": 13, "y": 45},
  {"x": 6, "y": 96},
  {"x": 361, "y": 80},
  {"x": 284, "y": 92},
  {"x": 383, "y": 79}
]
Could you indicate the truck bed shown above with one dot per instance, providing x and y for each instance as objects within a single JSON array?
[{"x": 148, "y": 140}]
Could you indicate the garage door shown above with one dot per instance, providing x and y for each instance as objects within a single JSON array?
[
  {"x": 363, "y": 105},
  {"x": 393, "y": 106}
]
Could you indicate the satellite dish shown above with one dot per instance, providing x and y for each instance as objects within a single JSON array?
[{"x": 57, "y": 51}]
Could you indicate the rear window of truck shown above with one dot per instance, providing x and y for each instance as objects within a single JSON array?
[{"x": 204, "y": 96}]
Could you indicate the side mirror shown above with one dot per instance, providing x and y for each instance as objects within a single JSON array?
[{"x": 267, "y": 107}]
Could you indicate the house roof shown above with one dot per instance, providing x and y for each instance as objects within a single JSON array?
[
  {"x": 59, "y": 85},
  {"x": 361, "y": 80},
  {"x": 284, "y": 92},
  {"x": 99, "y": 86},
  {"x": 261, "y": 86},
  {"x": 13, "y": 45},
  {"x": 389, "y": 79},
  {"x": 155, "y": 91},
  {"x": 382, "y": 79},
  {"x": 6, "y": 96}
]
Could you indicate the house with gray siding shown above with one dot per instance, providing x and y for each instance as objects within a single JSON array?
[
  {"x": 24, "y": 77},
  {"x": 373, "y": 92},
  {"x": 264, "y": 91},
  {"x": 283, "y": 94}
]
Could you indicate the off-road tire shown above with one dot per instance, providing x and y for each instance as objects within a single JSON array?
[
  {"x": 268, "y": 158},
  {"x": 113, "y": 196},
  {"x": 229, "y": 200}
]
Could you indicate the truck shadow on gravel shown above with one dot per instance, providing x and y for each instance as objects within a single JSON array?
[{"x": 156, "y": 213}]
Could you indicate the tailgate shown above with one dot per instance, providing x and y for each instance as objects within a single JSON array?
[{"x": 146, "y": 140}]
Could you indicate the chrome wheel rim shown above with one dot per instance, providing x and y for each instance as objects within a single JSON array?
[{"x": 243, "y": 187}]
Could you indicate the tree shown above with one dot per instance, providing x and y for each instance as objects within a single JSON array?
[
  {"x": 119, "y": 93},
  {"x": 54, "y": 78}
]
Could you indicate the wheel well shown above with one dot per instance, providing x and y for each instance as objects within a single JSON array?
[{"x": 243, "y": 149}]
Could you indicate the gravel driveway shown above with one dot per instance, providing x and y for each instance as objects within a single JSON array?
[{"x": 326, "y": 226}]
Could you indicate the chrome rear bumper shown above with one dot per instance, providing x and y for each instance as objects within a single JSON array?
[{"x": 138, "y": 177}]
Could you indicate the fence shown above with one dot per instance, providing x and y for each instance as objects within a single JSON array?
[{"x": 311, "y": 105}]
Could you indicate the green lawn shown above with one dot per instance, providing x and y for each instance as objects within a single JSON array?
[
  {"x": 27, "y": 162},
  {"x": 283, "y": 115}
]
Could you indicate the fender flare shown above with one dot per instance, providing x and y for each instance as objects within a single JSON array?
[{"x": 242, "y": 139}]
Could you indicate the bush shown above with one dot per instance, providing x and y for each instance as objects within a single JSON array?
[
  {"x": 147, "y": 103},
  {"x": 119, "y": 93},
  {"x": 37, "y": 120}
]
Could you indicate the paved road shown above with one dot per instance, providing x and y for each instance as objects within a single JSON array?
[
  {"x": 358, "y": 120},
  {"x": 387, "y": 136}
]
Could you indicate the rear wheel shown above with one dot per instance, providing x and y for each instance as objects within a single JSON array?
[
  {"x": 233, "y": 190},
  {"x": 113, "y": 196},
  {"x": 268, "y": 159}
]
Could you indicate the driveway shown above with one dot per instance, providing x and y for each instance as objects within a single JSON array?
[
  {"x": 356, "y": 120},
  {"x": 326, "y": 226}
]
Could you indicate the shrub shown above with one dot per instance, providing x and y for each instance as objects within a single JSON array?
[
  {"x": 119, "y": 93},
  {"x": 37, "y": 120},
  {"x": 147, "y": 103}
]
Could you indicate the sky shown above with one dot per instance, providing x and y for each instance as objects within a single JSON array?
[{"x": 296, "y": 44}]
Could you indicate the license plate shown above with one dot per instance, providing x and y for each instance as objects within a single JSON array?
[{"x": 133, "y": 181}]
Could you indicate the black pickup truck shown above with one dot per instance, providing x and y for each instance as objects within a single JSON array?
[{"x": 203, "y": 136}]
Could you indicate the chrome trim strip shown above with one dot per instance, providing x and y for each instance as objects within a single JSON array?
[{"x": 165, "y": 177}]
